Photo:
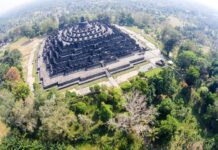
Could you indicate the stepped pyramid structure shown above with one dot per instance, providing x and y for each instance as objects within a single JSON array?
[{"x": 82, "y": 52}]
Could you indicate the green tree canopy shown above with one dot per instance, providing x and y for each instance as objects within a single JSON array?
[
  {"x": 105, "y": 112},
  {"x": 21, "y": 91},
  {"x": 186, "y": 59},
  {"x": 192, "y": 75}
]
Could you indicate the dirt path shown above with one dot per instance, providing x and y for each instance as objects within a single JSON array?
[{"x": 30, "y": 78}]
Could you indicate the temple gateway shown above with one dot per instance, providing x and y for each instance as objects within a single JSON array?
[{"x": 84, "y": 52}]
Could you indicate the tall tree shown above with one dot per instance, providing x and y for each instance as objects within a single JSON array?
[
  {"x": 56, "y": 120},
  {"x": 21, "y": 91},
  {"x": 186, "y": 59},
  {"x": 13, "y": 74},
  {"x": 164, "y": 83},
  {"x": 192, "y": 75},
  {"x": 139, "y": 116},
  {"x": 170, "y": 37},
  {"x": 23, "y": 116}
]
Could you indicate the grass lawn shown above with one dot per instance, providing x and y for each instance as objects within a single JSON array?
[{"x": 153, "y": 72}]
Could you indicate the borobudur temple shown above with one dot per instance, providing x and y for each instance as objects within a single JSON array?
[{"x": 84, "y": 52}]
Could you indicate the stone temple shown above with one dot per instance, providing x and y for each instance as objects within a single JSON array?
[{"x": 84, "y": 52}]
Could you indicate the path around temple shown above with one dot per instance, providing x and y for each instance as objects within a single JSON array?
[
  {"x": 30, "y": 78},
  {"x": 152, "y": 56}
]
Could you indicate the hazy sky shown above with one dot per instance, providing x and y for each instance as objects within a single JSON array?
[
  {"x": 6, "y": 5},
  {"x": 210, "y": 3}
]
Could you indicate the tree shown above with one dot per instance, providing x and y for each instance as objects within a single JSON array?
[
  {"x": 186, "y": 59},
  {"x": 165, "y": 108},
  {"x": 142, "y": 20},
  {"x": 125, "y": 19},
  {"x": 79, "y": 107},
  {"x": 211, "y": 118},
  {"x": 213, "y": 87},
  {"x": 105, "y": 112},
  {"x": 214, "y": 68},
  {"x": 56, "y": 120},
  {"x": 85, "y": 122},
  {"x": 27, "y": 31},
  {"x": 164, "y": 83},
  {"x": 167, "y": 129},
  {"x": 188, "y": 46},
  {"x": 13, "y": 74},
  {"x": 12, "y": 58},
  {"x": 126, "y": 86},
  {"x": 170, "y": 37},
  {"x": 20, "y": 143},
  {"x": 139, "y": 116},
  {"x": 104, "y": 18},
  {"x": 6, "y": 103},
  {"x": 49, "y": 25},
  {"x": 36, "y": 29},
  {"x": 3, "y": 69},
  {"x": 23, "y": 116},
  {"x": 21, "y": 91},
  {"x": 192, "y": 75},
  {"x": 141, "y": 84}
]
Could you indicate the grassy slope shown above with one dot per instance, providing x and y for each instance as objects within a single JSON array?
[{"x": 153, "y": 72}]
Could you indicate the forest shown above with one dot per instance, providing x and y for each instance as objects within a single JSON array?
[{"x": 176, "y": 108}]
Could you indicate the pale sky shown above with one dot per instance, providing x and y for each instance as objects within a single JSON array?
[
  {"x": 7, "y": 5},
  {"x": 209, "y": 3}
]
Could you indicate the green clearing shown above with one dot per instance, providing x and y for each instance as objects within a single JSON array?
[{"x": 153, "y": 72}]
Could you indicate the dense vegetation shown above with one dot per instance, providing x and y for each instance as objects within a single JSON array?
[{"x": 174, "y": 109}]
